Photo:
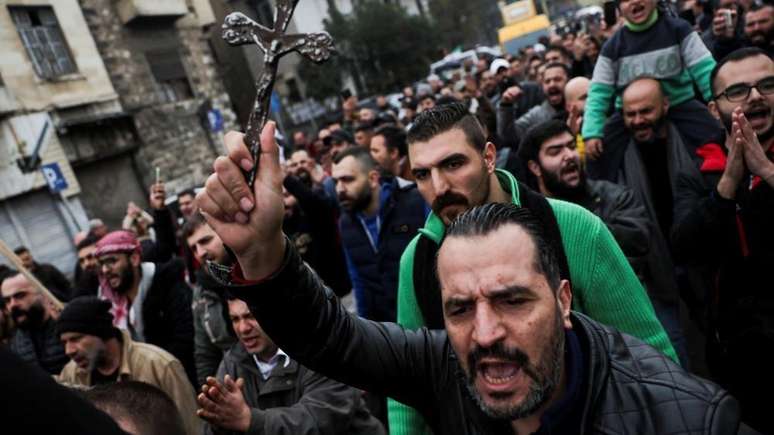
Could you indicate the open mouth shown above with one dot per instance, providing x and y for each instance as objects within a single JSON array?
[
  {"x": 250, "y": 342},
  {"x": 638, "y": 12},
  {"x": 758, "y": 115},
  {"x": 498, "y": 375}
]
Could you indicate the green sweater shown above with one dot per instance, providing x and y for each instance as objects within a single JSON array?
[
  {"x": 604, "y": 286},
  {"x": 665, "y": 48}
]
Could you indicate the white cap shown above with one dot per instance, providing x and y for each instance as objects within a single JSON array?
[{"x": 497, "y": 64}]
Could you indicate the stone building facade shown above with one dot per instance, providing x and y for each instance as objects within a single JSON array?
[{"x": 161, "y": 65}]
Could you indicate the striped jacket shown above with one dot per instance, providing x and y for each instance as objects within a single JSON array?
[{"x": 668, "y": 49}]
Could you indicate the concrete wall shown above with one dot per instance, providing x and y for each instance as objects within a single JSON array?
[{"x": 90, "y": 84}]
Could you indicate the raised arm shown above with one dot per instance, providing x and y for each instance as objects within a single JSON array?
[{"x": 291, "y": 303}]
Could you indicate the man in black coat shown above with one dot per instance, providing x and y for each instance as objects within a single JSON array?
[
  {"x": 35, "y": 340},
  {"x": 513, "y": 357},
  {"x": 723, "y": 226},
  {"x": 152, "y": 301}
]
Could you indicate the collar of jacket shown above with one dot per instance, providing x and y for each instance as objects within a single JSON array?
[
  {"x": 644, "y": 26},
  {"x": 567, "y": 412},
  {"x": 434, "y": 227},
  {"x": 276, "y": 381},
  {"x": 124, "y": 370}
]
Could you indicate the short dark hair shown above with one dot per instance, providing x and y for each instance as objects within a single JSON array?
[
  {"x": 188, "y": 191},
  {"x": 89, "y": 240},
  {"x": 20, "y": 250},
  {"x": 535, "y": 136},
  {"x": 7, "y": 273},
  {"x": 360, "y": 154},
  {"x": 735, "y": 56},
  {"x": 364, "y": 126},
  {"x": 560, "y": 48},
  {"x": 394, "y": 137},
  {"x": 191, "y": 225},
  {"x": 147, "y": 407},
  {"x": 443, "y": 118},
  {"x": 564, "y": 68},
  {"x": 484, "y": 219}
]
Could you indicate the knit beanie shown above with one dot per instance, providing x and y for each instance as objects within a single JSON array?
[{"x": 87, "y": 315}]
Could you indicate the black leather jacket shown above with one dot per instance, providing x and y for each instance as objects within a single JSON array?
[{"x": 633, "y": 389}]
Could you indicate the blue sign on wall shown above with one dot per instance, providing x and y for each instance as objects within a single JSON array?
[
  {"x": 216, "y": 120},
  {"x": 54, "y": 177}
]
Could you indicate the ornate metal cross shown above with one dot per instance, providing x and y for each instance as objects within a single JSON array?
[{"x": 238, "y": 29}]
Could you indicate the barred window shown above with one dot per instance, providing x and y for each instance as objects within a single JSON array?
[
  {"x": 43, "y": 39},
  {"x": 168, "y": 70}
]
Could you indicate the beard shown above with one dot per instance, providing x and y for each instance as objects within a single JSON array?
[
  {"x": 562, "y": 190},
  {"x": 453, "y": 198},
  {"x": 304, "y": 176},
  {"x": 88, "y": 282},
  {"x": 728, "y": 123},
  {"x": 546, "y": 375},
  {"x": 358, "y": 203},
  {"x": 127, "y": 279},
  {"x": 33, "y": 316}
]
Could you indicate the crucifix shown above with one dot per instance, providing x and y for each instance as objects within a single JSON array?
[{"x": 238, "y": 29}]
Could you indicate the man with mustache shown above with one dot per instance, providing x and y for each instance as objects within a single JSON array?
[
  {"x": 150, "y": 300},
  {"x": 35, "y": 339},
  {"x": 513, "y": 358},
  {"x": 756, "y": 30},
  {"x": 723, "y": 225},
  {"x": 259, "y": 389},
  {"x": 379, "y": 218},
  {"x": 550, "y": 151},
  {"x": 454, "y": 167},
  {"x": 554, "y": 80},
  {"x": 551, "y": 154},
  {"x": 651, "y": 160},
  {"x": 102, "y": 354}
]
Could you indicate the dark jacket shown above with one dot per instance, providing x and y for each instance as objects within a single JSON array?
[
  {"x": 632, "y": 388},
  {"x": 732, "y": 242},
  {"x": 164, "y": 247},
  {"x": 167, "y": 317},
  {"x": 313, "y": 229},
  {"x": 374, "y": 272},
  {"x": 625, "y": 216},
  {"x": 48, "y": 354},
  {"x": 213, "y": 334},
  {"x": 53, "y": 280},
  {"x": 296, "y": 400},
  {"x": 35, "y": 404},
  {"x": 634, "y": 174},
  {"x": 532, "y": 95}
]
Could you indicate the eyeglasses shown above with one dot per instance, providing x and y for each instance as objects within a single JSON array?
[{"x": 741, "y": 91}]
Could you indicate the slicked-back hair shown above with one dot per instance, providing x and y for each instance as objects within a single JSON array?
[
  {"x": 443, "y": 118},
  {"x": 735, "y": 56},
  {"x": 148, "y": 408},
  {"x": 362, "y": 155},
  {"x": 394, "y": 138},
  {"x": 484, "y": 219},
  {"x": 535, "y": 136}
]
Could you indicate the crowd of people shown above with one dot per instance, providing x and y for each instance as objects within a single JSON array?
[{"x": 570, "y": 239}]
